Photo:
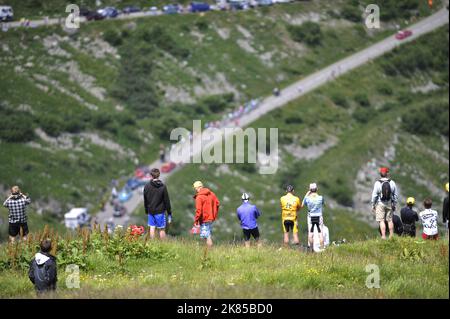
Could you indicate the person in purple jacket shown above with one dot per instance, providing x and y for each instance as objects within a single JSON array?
[{"x": 248, "y": 214}]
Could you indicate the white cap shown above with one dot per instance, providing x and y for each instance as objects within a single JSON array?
[
  {"x": 245, "y": 196},
  {"x": 312, "y": 186}
]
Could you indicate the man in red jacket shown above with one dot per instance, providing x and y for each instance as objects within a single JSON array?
[{"x": 206, "y": 209}]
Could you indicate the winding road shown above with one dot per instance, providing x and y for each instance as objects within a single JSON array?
[{"x": 293, "y": 92}]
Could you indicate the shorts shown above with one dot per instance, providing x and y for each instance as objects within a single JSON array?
[
  {"x": 157, "y": 220},
  {"x": 251, "y": 232},
  {"x": 289, "y": 225},
  {"x": 206, "y": 230},
  {"x": 383, "y": 212},
  {"x": 315, "y": 221},
  {"x": 431, "y": 237},
  {"x": 14, "y": 229}
]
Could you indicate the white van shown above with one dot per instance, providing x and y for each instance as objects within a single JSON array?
[
  {"x": 77, "y": 217},
  {"x": 6, "y": 13}
]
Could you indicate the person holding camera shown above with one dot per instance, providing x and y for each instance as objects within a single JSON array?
[
  {"x": 16, "y": 204},
  {"x": 384, "y": 202}
]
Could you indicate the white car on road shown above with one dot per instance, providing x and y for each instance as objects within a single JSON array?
[{"x": 77, "y": 217}]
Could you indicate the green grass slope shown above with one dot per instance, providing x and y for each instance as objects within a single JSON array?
[
  {"x": 77, "y": 110},
  {"x": 120, "y": 267},
  {"x": 374, "y": 117}
]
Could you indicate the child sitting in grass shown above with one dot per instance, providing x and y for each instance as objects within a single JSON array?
[
  {"x": 43, "y": 273},
  {"x": 429, "y": 219}
]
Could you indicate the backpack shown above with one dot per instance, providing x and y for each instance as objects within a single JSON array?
[{"x": 386, "y": 191}]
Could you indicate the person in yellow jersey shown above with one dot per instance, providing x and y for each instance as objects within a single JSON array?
[{"x": 290, "y": 205}]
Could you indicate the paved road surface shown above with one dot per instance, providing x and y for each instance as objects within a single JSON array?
[{"x": 308, "y": 84}]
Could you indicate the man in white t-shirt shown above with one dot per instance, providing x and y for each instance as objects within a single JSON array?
[{"x": 429, "y": 219}]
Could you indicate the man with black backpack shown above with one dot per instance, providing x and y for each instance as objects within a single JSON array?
[{"x": 384, "y": 201}]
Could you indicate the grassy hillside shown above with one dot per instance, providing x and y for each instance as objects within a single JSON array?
[
  {"x": 368, "y": 118},
  {"x": 121, "y": 267},
  {"x": 78, "y": 110}
]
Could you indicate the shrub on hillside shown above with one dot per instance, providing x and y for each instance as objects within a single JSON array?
[
  {"x": 202, "y": 25},
  {"x": 351, "y": 13},
  {"x": 294, "y": 119},
  {"x": 16, "y": 127},
  {"x": 309, "y": 33},
  {"x": 385, "y": 89},
  {"x": 135, "y": 86},
  {"x": 101, "y": 119},
  {"x": 167, "y": 121},
  {"x": 125, "y": 118},
  {"x": 362, "y": 99},
  {"x": 51, "y": 124},
  {"x": 162, "y": 40},
  {"x": 362, "y": 115},
  {"x": 388, "y": 106},
  {"x": 113, "y": 37},
  {"x": 428, "y": 119},
  {"x": 218, "y": 103},
  {"x": 430, "y": 56},
  {"x": 185, "y": 27},
  {"x": 130, "y": 134},
  {"x": 339, "y": 99},
  {"x": 339, "y": 191},
  {"x": 74, "y": 125},
  {"x": 246, "y": 168}
]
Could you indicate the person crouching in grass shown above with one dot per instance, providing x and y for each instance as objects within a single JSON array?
[
  {"x": 429, "y": 219},
  {"x": 43, "y": 269}
]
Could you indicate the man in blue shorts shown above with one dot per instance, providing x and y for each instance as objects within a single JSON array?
[
  {"x": 157, "y": 203},
  {"x": 247, "y": 215}
]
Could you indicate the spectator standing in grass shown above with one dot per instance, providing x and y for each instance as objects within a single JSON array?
[
  {"x": 162, "y": 153},
  {"x": 206, "y": 210},
  {"x": 398, "y": 225},
  {"x": 290, "y": 206},
  {"x": 157, "y": 204},
  {"x": 409, "y": 217},
  {"x": 248, "y": 215},
  {"x": 314, "y": 202},
  {"x": 384, "y": 201},
  {"x": 16, "y": 204},
  {"x": 445, "y": 208}
]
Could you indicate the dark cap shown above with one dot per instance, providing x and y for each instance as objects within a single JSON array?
[{"x": 289, "y": 188}]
